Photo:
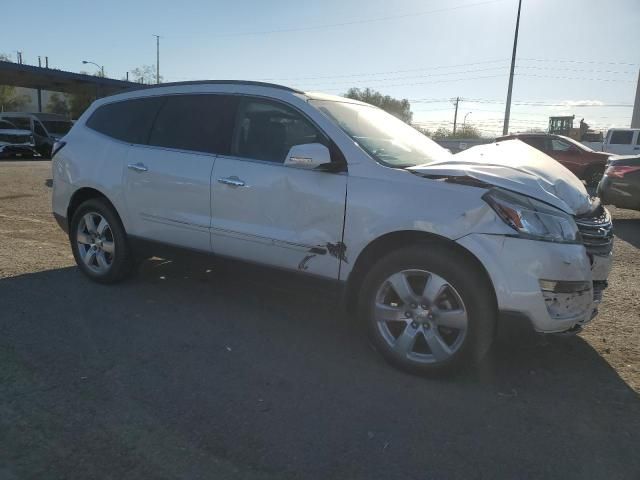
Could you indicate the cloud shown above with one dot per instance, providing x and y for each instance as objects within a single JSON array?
[{"x": 579, "y": 103}]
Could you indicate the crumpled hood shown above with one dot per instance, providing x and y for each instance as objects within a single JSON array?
[{"x": 516, "y": 166}]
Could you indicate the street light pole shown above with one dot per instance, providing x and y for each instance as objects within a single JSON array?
[
  {"x": 101, "y": 67},
  {"x": 507, "y": 111},
  {"x": 464, "y": 121}
]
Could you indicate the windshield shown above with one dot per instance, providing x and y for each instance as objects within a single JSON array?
[
  {"x": 57, "y": 127},
  {"x": 387, "y": 139}
]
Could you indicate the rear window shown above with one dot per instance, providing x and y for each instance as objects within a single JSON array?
[
  {"x": 200, "y": 123},
  {"x": 4, "y": 125},
  {"x": 129, "y": 120},
  {"x": 537, "y": 142},
  {"x": 21, "y": 123},
  {"x": 621, "y": 137}
]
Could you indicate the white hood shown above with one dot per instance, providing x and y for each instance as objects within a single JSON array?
[{"x": 516, "y": 166}]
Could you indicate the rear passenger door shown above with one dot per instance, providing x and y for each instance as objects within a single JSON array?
[
  {"x": 168, "y": 178},
  {"x": 266, "y": 212}
]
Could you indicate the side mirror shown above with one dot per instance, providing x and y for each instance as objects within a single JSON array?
[{"x": 308, "y": 156}]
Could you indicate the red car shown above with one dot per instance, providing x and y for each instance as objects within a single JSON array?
[{"x": 586, "y": 164}]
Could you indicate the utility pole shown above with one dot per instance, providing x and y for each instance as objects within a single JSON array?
[
  {"x": 157, "y": 58},
  {"x": 635, "y": 119},
  {"x": 455, "y": 115},
  {"x": 507, "y": 111}
]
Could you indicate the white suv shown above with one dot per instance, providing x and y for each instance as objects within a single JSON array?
[{"x": 430, "y": 248}]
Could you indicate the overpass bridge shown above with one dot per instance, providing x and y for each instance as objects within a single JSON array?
[{"x": 41, "y": 78}]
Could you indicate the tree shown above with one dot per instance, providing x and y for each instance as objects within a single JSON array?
[
  {"x": 441, "y": 133},
  {"x": 9, "y": 99},
  {"x": 145, "y": 74},
  {"x": 394, "y": 106},
  {"x": 58, "y": 104},
  {"x": 466, "y": 131}
]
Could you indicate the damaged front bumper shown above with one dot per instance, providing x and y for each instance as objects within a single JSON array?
[{"x": 556, "y": 286}]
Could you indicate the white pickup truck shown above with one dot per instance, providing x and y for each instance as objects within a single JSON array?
[{"x": 621, "y": 141}]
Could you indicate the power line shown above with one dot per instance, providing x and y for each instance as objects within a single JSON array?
[
  {"x": 356, "y": 22},
  {"x": 343, "y": 82},
  {"x": 435, "y": 67},
  {"x": 580, "y": 61}
]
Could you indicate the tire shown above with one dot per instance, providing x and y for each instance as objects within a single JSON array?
[
  {"x": 112, "y": 259},
  {"x": 457, "y": 324}
]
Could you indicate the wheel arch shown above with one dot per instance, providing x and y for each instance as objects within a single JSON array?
[
  {"x": 389, "y": 242},
  {"x": 82, "y": 195}
]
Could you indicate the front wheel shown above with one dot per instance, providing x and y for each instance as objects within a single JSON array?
[
  {"x": 99, "y": 242},
  {"x": 428, "y": 309}
]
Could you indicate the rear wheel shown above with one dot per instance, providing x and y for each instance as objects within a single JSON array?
[
  {"x": 428, "y": 309},
  {"x": 99, "y": 242}
]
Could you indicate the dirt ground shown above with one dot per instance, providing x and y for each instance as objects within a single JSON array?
[{"x": 139, "y": 381}]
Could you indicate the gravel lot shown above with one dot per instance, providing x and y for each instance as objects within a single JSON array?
[{"x": 190, "y": 372}]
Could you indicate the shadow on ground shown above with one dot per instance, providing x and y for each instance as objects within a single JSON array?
[
  {"x": 628, "y": 229},
  {"x": 188, "y": 373}
]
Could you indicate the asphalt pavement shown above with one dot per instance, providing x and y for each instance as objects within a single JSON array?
[{"x": 197, "y": 371}]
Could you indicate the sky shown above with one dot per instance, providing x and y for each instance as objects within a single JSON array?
[{"x": 574, "y": 56}]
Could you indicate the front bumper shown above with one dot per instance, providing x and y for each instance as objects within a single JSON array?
[{"x": 516, "y": 266}]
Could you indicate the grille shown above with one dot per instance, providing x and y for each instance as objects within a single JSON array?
[{"x": 597, "y": 231}]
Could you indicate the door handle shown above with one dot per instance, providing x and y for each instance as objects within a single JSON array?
[
  {"x": 138, "y": 167},
  {"x": 233, "y": 181}
]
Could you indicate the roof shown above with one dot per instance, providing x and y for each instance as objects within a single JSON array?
[
  {"x": 253, "y": 83},
  {"x": 29, "y": 76}
]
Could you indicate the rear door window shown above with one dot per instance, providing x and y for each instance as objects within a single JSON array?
[
  {"x": 128, "y": 120},
  {"x": 199, "y": 123},
  {"x": 267, "y": 130},
  {"x": 621, "y": 137}
]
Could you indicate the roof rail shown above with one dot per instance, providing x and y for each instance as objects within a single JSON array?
[{"x": 217, "y": 82}]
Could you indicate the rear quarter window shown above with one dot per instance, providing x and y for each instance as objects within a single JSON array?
[{"x": 129, "y": 120}]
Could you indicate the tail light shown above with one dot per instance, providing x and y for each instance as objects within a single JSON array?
[
  {"x": 621, "y": 170},
  {"x": 57, "y": 147}
]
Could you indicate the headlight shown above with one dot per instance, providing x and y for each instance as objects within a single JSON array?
[{"x": 531, "y": 218}]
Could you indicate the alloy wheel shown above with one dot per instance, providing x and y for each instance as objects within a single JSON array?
[
  {"x": 96, "y": 246},
  {"x": 420, "y": 316}
]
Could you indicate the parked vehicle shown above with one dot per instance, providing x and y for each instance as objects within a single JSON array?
[
  {"x": 14, "y": 142},
  {"x": 46, "y": 128},
  {"x": 587, "y": 164},
  {"x": 620, "y": 185},
  {"x": 622, "y": 141},
  {"x": 429, "y": 248}
]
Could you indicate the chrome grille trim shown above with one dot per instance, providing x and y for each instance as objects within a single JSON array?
[{"x": 596, "y": 231}]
